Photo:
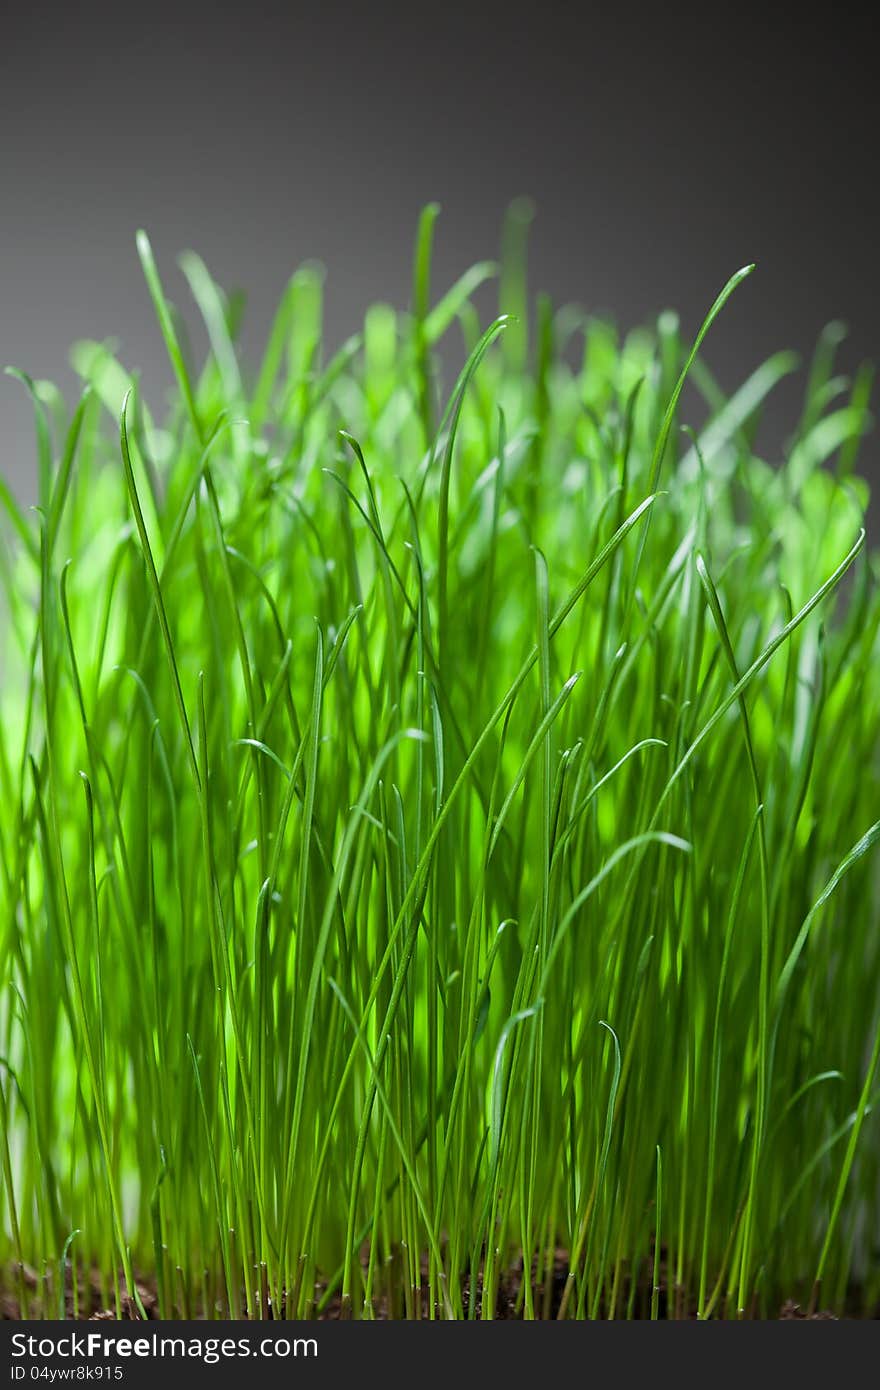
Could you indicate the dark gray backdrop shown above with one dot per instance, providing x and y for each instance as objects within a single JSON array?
[{"x": 663, "y": 149}]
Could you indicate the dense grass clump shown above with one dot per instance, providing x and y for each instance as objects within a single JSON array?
[{"x": 438, "y": 855}]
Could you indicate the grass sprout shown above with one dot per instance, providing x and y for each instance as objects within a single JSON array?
[{"x": 438, "y": 859}]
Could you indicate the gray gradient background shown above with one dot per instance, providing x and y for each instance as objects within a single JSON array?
[{"x": 663, "y": 150}]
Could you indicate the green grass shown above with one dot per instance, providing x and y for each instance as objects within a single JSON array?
[{"x": 432, "y": 836}]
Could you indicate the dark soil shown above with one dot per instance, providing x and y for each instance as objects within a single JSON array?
[{"x": 548, "y": 1294}]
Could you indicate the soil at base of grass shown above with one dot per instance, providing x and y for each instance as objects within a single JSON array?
[{"x": 90, "y": 1304}]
